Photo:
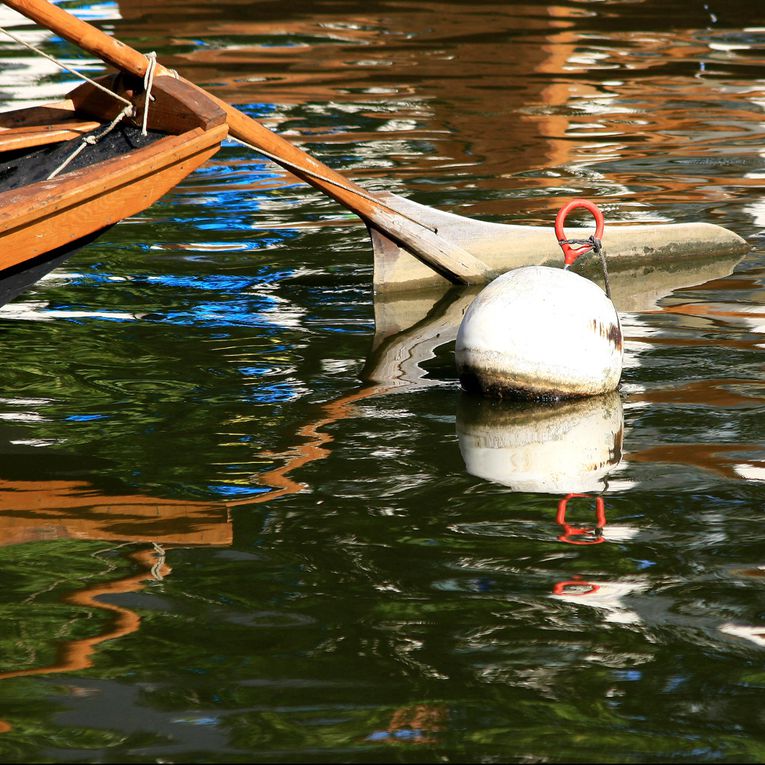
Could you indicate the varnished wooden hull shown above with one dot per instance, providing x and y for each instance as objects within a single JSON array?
[
  {"x": 44, "y": 222},
  {"x": 17, "y": 279}
]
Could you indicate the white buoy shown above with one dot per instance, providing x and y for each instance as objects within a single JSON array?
[
  {"x": 570, "y": 446},
  {"x": 540, "y": 333}
]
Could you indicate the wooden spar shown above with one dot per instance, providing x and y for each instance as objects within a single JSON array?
[
  {"x": 446, "y": 258},
  {"x": 460, "y": 249}
]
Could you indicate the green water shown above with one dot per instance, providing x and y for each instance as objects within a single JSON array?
[{"x": 240, "y": 523}]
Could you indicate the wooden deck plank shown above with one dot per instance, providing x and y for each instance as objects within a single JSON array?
[{"x": 27, "y": 137}]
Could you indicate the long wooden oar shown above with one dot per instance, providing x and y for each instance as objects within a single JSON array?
[{"x": 463, "y": 250}]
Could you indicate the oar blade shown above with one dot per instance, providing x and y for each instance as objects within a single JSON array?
[{"x": 505, "y": 246}]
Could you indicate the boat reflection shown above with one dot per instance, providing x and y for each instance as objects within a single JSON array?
[
  {"x": 410, "y": 327},
  {"x": 755, "y": 634},
  {"x": 51, "y": 511},
  {"x": 604, "y": 595},
  {"x": 32, "y": 511},
  {"x": 77, "y": 654},
  {"x": 408, "y": 330},
  {"x": 629, "y": 600},
  {"x": 638, "y": 288},
  {"x": 634, "y": 289}
]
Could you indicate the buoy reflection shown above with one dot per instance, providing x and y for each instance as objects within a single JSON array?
[{"x": 562, "y": 448}]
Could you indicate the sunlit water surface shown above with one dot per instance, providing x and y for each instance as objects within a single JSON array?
[{"x": 239, "y": 525}]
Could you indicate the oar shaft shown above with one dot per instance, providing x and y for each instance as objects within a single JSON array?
[{"x": 445, "y": 257}]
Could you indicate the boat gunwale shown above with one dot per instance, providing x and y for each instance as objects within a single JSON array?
[
  {"x": 52, "y": 195},
  {"x": 32, "y": 205}
]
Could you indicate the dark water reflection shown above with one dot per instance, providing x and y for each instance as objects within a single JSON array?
[{"x": 239, "y": 524}]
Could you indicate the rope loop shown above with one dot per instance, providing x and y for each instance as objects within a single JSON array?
[{"x": 570, "y": 254}]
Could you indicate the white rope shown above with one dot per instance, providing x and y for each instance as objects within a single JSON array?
[
  {"x": 65, "y": 67},
  {"x": 148, "y": 81},
  {"x": 127, "y": 111},
  {"x": 311, "y": 174},
  {"x": 159, "y": 562},
  {"x": 92, "y": 140}
]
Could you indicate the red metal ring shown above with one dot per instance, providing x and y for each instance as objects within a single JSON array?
[{"x": 570, "y": 253}]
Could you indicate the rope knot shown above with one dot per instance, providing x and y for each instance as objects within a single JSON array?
[{"x": 592, "y": 243}]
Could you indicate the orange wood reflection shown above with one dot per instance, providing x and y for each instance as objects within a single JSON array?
[
  {"x": 312, "y": 450},
  {"x": 719, "y": 393},
  {"x": 714, "y": 458},
  {"x": 39, "y": 510},
  {"x": 76, "y": 655},
  {"x": 33, "y": 511}
]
